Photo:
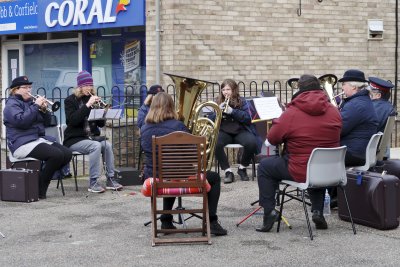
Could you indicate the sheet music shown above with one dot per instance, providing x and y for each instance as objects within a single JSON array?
[
  {"x": 96, "y": 114},
  {"x": 113, "y": 114},
  {"x": 267, "y": 107}
]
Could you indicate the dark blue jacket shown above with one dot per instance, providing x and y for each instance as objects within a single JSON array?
[
  {"x": 156, "y": 129},
  {"x": 242, "y": 116},
  {"x": 383, "y": 110},
  {"x": 359, "y": 122},
  {"x": 24, "y": 122},
  {"x": 142, "y": 113}
]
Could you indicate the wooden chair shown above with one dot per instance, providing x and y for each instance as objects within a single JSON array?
[{"x": 180, "y": 166}]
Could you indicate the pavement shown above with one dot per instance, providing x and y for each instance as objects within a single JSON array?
[{"x": 88, "y": 229}]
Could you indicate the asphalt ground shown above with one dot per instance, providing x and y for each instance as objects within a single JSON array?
[{"x": 87, "y": 229}]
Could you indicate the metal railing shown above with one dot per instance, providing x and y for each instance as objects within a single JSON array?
[{"x": 124, "y": 133}]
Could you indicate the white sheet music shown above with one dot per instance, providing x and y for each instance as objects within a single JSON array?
[
  {"x": 113, "y": 114},
  {"x": 267, "y": 107},
  {"x": 96, "y": 114}
]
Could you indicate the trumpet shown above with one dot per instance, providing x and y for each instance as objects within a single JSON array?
[
  {"x": 100, "y": 104},
  {"x": 334, "y": 97},
  {"x": 54, "y": 105},
  {"x": 226, "y": 102}
]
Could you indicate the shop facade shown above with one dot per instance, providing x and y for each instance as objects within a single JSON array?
[{"x": 52, "y": 40}]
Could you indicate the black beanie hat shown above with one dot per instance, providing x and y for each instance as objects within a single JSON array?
[{"x": 309, "y": 83}]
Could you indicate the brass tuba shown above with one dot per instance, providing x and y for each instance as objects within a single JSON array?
[
  {"x": 327, "y": 82},
  {"x": 293, "y": 83},
  {"x": 187, "y": 91}
]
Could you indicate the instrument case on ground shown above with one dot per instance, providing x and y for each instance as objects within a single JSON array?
[
  {"x": 391, "y": 166},
  {"x": 374, "y": 199},
  {"x": 128, "y": 176},
  {"x": 20, "y": 185}
]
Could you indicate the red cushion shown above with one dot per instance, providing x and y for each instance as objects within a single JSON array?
[{"x": 148, "y": 185}]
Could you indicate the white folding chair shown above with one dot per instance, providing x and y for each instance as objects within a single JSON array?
[
  {"x": 385, "y": 140},
  {"x": 325, "y": 168},
  {"x": 239, "y": 146},
  {"x": 370, "y": 153}
]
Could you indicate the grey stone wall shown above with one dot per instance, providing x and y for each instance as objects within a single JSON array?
[{"x": 259, "y": 40}]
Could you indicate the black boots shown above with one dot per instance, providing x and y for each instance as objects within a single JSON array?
[
  {"x": 319, "y": 220},
  {"x": 43, "y": 186},
  {"x": 268, "y": 221},
  {"x": 243, "y": 175},
  {"x": 229, "y": 177}
]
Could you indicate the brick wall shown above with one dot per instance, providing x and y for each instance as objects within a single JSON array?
[{"x": 259, "y": 40}]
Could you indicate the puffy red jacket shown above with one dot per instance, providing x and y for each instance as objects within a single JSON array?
[{"x": 309, "y": 121}]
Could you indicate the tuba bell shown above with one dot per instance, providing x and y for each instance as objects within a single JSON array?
[
  {"x": 293, "y": 83},
  {"x": 187, "y": 91},
  {"x": 327, "y": 82}
]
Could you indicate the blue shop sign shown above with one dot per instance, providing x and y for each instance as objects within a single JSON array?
[
  {"x": 18, "y": 17},
  {"x": 69, "y": 15}
]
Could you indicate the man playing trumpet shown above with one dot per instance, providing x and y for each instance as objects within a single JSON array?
[
  {"x": 25, "y": 132},
  {"x": 82, "y": 135}
]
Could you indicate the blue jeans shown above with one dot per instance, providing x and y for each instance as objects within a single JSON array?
[{"x": 95, "y": 150}]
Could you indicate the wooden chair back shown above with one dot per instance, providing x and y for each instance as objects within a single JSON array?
[{"x": 179, "y": 165}]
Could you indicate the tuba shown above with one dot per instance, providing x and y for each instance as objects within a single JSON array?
[
  {"x": 187, "y": 91},
  {"x": 293, "y": 83},
  {"x": 328, "y": 81}
]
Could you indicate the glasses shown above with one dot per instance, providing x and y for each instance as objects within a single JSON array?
[{"x": 26, "y": 87}]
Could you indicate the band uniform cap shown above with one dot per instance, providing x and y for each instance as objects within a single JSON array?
[
  {"x": 19, "y": 81},
  {"x": 84, "y": 78},
  {"x": 308, "y": 83},
  {"x": 376, "y": 83},
  {"x": 154, "y": 89},
  {"x": 353, "y": 75}
]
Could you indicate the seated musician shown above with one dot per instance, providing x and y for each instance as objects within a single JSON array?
[
  {"x": 144, "y": 109},
  {"x": 162, "y": 119},
  {"x": 379, "y": 91},
  {"x": 82, "y": 135},
  {"x": 236, "y": 128},
  {"x": 309, "y": 121},
  {"x": 25, "y": 130},
  {"x": 359, "y": 123}
]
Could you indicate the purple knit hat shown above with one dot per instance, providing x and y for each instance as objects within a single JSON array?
[{"x": 84, "y": 79}]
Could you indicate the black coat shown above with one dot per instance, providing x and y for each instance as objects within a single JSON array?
[{"x": 75, "y": 119}]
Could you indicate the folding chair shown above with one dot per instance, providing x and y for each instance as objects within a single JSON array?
[
  {"x": 385, "y": 140},
  {"x": 325, "y": 168},
  {"x": 370, "y": 153},
  {"x": 180, "y": 164}
]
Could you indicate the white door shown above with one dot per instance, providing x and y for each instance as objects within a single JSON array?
[{"x": 11, "y": 65}]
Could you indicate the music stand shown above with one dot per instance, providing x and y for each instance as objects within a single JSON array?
[{"x": 105, "y": 114}]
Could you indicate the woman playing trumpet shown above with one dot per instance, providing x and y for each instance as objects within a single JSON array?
[
  {"x": 82, "y": 135},
  {"x": 236, "y": 128},
  {"x": 25, "y": 132}
]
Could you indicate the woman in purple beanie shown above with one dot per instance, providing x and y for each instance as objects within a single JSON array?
[{"x": 83, "y": 136}]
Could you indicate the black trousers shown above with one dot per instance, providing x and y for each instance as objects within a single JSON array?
[
  {"x": 55, "y": 156},
  {"x": 214, "y": 180},
  {"x": 245, "y": 138},
  {"x": 273, "y": 170},
  {"x": 352, "y": 160}
]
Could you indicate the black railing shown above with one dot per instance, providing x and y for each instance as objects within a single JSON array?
[{"x": 124, "y": 133}]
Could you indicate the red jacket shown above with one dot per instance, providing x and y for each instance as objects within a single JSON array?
[{"x": 309, "y": 121}]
